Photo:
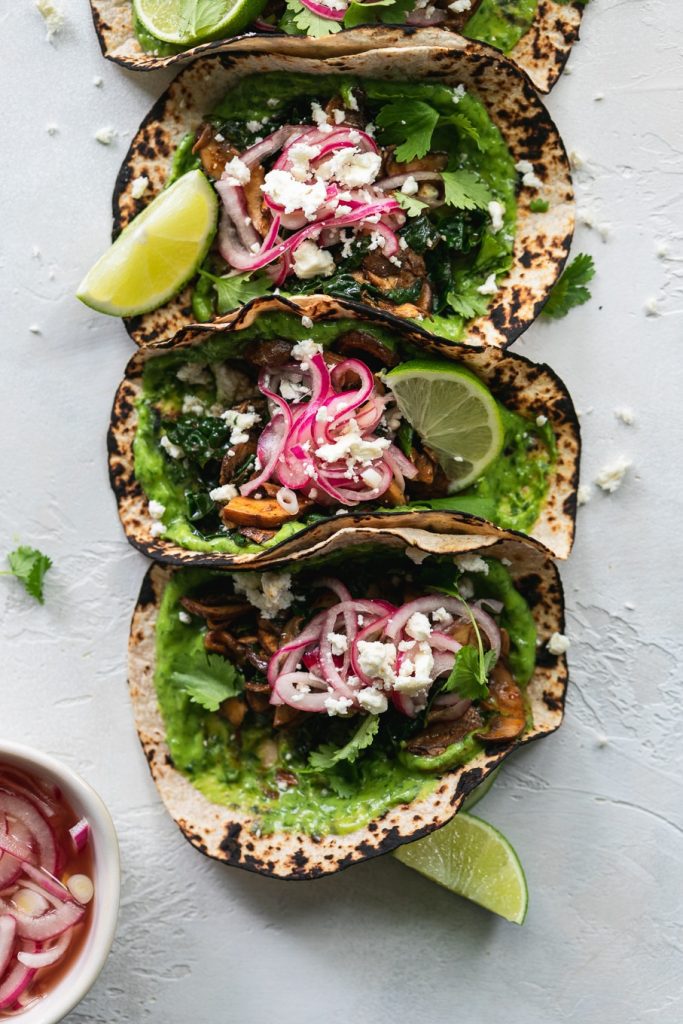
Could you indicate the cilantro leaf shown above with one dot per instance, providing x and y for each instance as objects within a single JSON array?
[
  {"x": 207, "y": 682},
  {"x": 410, "y": 123},
  {"x": 571, "y": 289},
  {"x": 469, "y": 675},
  {"x": 539, "y": 205},
  {"x": 465, "y": 191},
  {"x": 327, "y": 756},
  {"x": 29, "y": 566},
  {"x": 311, "y": 24},
  {"x": 237, "y": 289},
  {"x": 411, "y": 204},
  {"x": 464, "y": 125},
  {"x": 390, "y": 12}
]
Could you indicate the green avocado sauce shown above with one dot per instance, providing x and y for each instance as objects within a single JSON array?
[
  {"x": 510, "y": 493},
  {"x": 224, "y": 764},
  {"x": 501, "y": 23}
]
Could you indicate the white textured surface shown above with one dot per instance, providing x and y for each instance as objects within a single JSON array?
[{"x": 595, "y": 812}]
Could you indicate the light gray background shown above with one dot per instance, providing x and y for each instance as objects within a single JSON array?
[{"x": 595, "y": 811}]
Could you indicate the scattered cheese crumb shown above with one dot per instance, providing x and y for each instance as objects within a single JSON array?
[
  {"x": 410, "y": 186},
  {"x": 338, "y": 642},
  {"x": 235, "y": 172},
  {"x": 541, "y": 421},
  {"x": 98, "y": 81},
  {"x": 651, "y": 307},
  {"x": 157, "y": 528},
  {"x": 372, "y": 700},
  {"x": 460, "y": 6},
  {"x": 496, "y": 213},
  {"x": 225, "y": 493},
  {"x": 156, "y": 509},
  {"x": 489, "y": 287},
  {"x": 558, "y": 644},
  {"x": 34, "y": 329},
  {"x": 583, "y": 495},
  {"x": 185, "y": 617},
  {"x": 139, "y": 187},
  {"x": 270, "y": 593},
  {"x": 471, "y": 563},
  {"x": 53, "y": 16},
  {"x": 418, "y": 626},
  {"x": 610, "y": 477},
  {"x": 310, "y": 260},
  {"x": 306, "y": 322},
  {"x": 105, "y": 136},
  {"x": 337, "y": 705},
  {"x": 529, "y": 178},
  {"x": 626, "y": 415},
  {"x": 174, "y": 450},
  {"x": 52, "y": 129}
]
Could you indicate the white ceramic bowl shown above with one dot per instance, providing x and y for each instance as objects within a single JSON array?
[{"x": 83, "y": 972}]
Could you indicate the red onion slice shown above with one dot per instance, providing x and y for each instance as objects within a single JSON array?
[
  {"x": 8, "y": 931},
  {"x": 47, "y": 957},
  {"x": 323, "y": 11},
  {"x": 80, "y": 834},
  {"x": 21, "y": 810},
  {"x": 49, "y": 926},
  {"x": 14, "y": 984}
]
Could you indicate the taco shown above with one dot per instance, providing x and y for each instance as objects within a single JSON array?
[
  {"x": 299, "y": 721},
  {"x": 245, "y": 442},
  {"x": 418, "y": 196},
  {"x": 537, "y": 34}
]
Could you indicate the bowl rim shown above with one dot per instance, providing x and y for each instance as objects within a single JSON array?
[{"x": 72, "y": 988}]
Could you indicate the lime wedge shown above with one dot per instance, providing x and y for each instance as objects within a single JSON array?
[
  {"x": 157, "y": 253},
  {"x": 453, "y": 412},
  {"x": 186, "y": 22},
  {"x": 473, "y": 798},
  {"x": 471, "y": 858}
]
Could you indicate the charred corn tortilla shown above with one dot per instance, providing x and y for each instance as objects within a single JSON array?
[
  {"x": 541, "y": 240},
  {"x": 518, "y": 384},
  {"x": 232, "y": 835},
  {"x": 541, "y": 52}
]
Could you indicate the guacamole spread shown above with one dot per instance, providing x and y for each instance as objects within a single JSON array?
[{"x": 322, "y": 773}]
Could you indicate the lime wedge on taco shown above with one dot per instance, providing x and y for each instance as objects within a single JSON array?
[
  {"x": 157, "y": 253},
  {"x": 453, "y": 412},
  {"x": 187, "y": 22}
]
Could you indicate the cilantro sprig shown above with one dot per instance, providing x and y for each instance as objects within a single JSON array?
[
  {"x": 411, "y": 204},
  {"x": 470, "y": 673},
  {"x": 309, "y": 23},
  {"x": 237, "y": 289},
  {"x": 571, "y": 290},
  {"x": 207, "y": 682},
  {"x": 410, "y": 124},
  {"x": 327, "y": 756},
  {"x": 29, "y": 566}
]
